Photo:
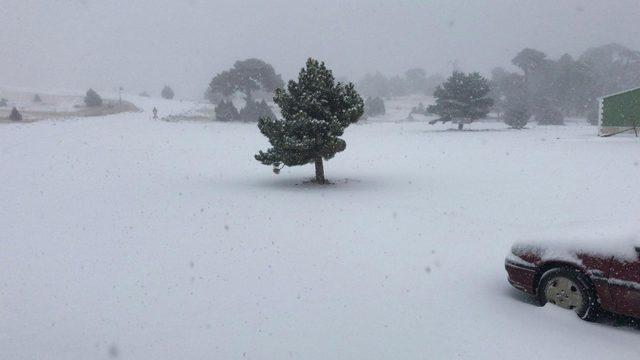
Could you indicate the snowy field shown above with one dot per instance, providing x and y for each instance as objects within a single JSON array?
[
  {"x": 124, "y": 237},
  {"x": 62, "y": 105}
]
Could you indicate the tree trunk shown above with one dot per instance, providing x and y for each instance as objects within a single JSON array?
[
  {"x": 460, "y": 126},
  {"x": 319, "y": 171}
]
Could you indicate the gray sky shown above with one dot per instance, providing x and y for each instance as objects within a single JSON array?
[{"x": 143, "y": 44}]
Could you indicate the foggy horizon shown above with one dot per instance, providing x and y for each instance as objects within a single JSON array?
[{"x": 141, "y": 45}]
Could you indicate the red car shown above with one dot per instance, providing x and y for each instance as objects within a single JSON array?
[{"x": 583, "y": 279}]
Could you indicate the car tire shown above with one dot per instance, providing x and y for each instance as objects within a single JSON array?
[{"x": 571, "y": 290}]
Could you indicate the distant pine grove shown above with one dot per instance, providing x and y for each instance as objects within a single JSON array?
[
  {"x": 547, "y": 89},
  {"x": 540, "y": 88}
]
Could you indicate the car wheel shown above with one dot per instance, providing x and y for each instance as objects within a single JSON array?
[{"x": 569, "y": 289}]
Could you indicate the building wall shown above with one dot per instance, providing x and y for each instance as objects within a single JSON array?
[{"x": 621, "y": 110}]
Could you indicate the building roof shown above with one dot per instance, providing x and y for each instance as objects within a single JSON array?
[{"x": 619, "y": 93}]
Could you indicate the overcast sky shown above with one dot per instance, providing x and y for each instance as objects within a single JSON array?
[{"x": 143, "y": 44}]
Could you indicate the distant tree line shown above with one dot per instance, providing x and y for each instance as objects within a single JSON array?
[
  {"x": 550, "y": 90},
  {"x": 544, "y": 89},
  {"x": 414, "y": 81}
]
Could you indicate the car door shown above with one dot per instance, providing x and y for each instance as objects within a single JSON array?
[{"x": 624, "y": 286}]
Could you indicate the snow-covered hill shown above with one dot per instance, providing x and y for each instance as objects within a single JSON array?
[{"x": 139, "y": 239}]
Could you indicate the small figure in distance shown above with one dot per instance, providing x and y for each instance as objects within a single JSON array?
[{"x": 155, "y": 113}]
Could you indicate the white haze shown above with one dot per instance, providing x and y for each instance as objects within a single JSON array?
[{"x": 144, "y": 44}]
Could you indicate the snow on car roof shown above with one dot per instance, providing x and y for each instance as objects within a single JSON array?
[{"x": 598, "y": 238}]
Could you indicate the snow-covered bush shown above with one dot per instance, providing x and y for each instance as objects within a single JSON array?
[
  {"x": 254, "y": 111},
  {"x": 92, "y": 99},
  {"x": 15, "y": 115},
  {"x": 167, "y": 93},
  {"x": 225, "y": 111},
  {"x": 516, "y": 113}
]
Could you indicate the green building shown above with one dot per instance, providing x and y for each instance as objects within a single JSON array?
[{"x": 619, "y": 113}]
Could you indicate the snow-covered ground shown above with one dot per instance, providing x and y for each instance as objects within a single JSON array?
[
  {"x": 24, "y": 101},
  {"x": 61, "y": 105},
  {"x": 138, "y": 239}
]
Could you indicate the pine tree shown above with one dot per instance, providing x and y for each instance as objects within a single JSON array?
[
  {"x": 516, "y": 113},
  {"x": 225, "y": 111},
  {"x": 15, "y": 115},
  {"x": 92, "y": 99},
  {"x": 254, "y": 111},
  {"x": 37, "y": 99},
  {"x": 462, "y": 99},
  {"x": 4, "y": 102},
  {"x": 315, "y": 111},
  {"x": 167, "y": 93}
]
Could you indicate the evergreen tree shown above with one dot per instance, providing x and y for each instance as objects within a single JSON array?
[
  {"x": 15, "y": 115},
  {"x": 254, "y": 111},
  {"x": 4, "y": 102},
  {"x": 245, "y": 77},
  {"x": 225, "y": 111},
  {"x": 92, "y": 99},
  {"x": 37, "y": 99},
  {"x": 212, "y": 97},
  {"x": 462, "y": 99},
  {"x": 374, "y": 106},
  {"x": 167, "y": 93},
  {"x": 516, "y": 113},
  {"x": 539, "y": 75},
  {"x": 568, "y": 87},
  {"x": 616, "y": 67},
  {"x": 575, "y": 86},
  {"x": 315, "y": 111},
  {"x": 530, "y": 60}
]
